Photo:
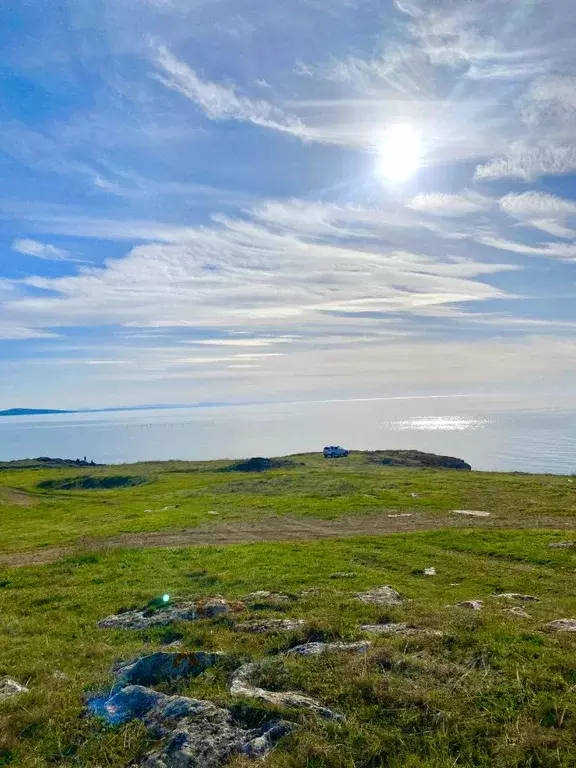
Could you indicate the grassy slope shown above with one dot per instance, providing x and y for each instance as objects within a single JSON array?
[
  {"x": 494, "y": 692},
  {"x": 180, "y": 494}
]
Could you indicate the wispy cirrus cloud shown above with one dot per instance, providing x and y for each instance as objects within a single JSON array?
[
  {"x": 40, "y": 250},
  {"x": 221, "y": 102}
]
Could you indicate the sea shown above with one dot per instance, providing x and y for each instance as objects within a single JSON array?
[{"x": 500, "y": 434}]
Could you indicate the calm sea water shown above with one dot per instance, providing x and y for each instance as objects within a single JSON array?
[{"x": 491, "y": 435}]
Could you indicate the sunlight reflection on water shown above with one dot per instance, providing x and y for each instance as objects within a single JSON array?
[{"x": 438, "y": 423}]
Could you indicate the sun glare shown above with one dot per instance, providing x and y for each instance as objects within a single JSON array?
[{"x": 400, "y": 152}]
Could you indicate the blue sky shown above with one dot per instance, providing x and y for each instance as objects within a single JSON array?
[{"x": 233, "y": 200}]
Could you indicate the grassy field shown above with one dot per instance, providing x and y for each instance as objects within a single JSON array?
[
  {"x": 179, "y": 495},
  {"x": 494, "y": 691}
]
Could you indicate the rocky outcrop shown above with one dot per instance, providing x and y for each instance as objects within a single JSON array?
[
  {"x": 563, "y": 545},
  {"x": 400, "y": 628},
  {"x": 473, "y": 605},
  {"x": 9, "y": 688},
  {"x": 146, "y": 618},
  {"x": 260, "y": 626},
  {"x": 240, "y": 685},
  {"x": 517, "y": 611},
  {"x": 416, "y": 459},
  {"x": 164, "y": 666},
  {"x": 162, "y": 614},
  {"x": 198, "y": 733},
  {"x": 316, "y": 649},
  {"x": 562, "y": 625},
  {"x": 380, "y": 596},
  {"x": 517, "y": 596}
]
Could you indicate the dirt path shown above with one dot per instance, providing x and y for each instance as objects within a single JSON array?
[{"x": 278, "y": 529}]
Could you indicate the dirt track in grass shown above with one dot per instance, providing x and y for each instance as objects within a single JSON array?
[{"x": 281, "y": 528}]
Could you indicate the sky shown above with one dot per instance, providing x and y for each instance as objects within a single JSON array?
[{"x": 245, "y": 201}]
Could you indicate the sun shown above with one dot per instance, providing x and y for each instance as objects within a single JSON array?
[{"x": 400, "y": 152}]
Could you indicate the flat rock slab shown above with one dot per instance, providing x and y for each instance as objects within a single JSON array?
[
  {"x": 144, "y": 619},
  {"x": 562, "y": 625},
  {"x": 471, "y": 512},
  {"x": 260, "y": 626},
  {"x": 10, "y": 687},
  {"x": 517, "y": 596},
  {"x": 316, "y": 649},
  {"x": 473, "y": 605},
  {"x": 563, "y": 545},
  {"x": 400, "y": 628},
  {"x": 404, "y": 514},
  {"x": 163, "y": 666},
  {"x": 263, "y": 597},
  {"x": 380, "y": 596},
  {"x": 198, "y": 733},
  {"x": 520, "y": 612},
  {"x": 240, "y": 685}
]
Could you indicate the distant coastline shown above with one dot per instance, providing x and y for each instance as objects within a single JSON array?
[{"x": 31, "y": 411}]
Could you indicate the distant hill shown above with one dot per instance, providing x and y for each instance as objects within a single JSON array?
[{"x": 30, "y": 411}]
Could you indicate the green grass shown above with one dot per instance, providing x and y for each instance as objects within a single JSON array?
[
  {"x": 495, "y": 691},
  {"x": 179, "y": 494}
]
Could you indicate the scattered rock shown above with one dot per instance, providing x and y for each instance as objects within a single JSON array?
[
  {"x": 471, "y": 512},
  {"x": 343, "y": 575},
  {"x": 9, "y": 687},
  {"x": 270, "y": 625},
  {"x": 429, "y": 571},
  {"x": 562, "y": 625},
  {"x": 562, "y": 545},
  {"x": 517, "y": 611},
  {"x": 265, "y": 597},
  {"x": 398, "y": 629},
  {"x": 163, "y": 666},
  {"x": 415, "y": 495},
  {"x": 211, "y": 607},
  {"x": 240, "y": 686},
  {"x": 175, "y": 644},
  {"x": 474, "y": 605},
  {"x": 199, "y": 733},
  {"x": 308, "y": 592},
  {"x": 380, "y": 596},
  {"x": 315, "y": 649},
  {"x": 517, "y": 596},
  {"x": 145, "y": 618},
  {"x": 404, "y": 514},
  {"x": 212, "y": 512}
]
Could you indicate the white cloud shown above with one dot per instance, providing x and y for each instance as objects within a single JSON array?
[
  {"x": 443, "y": 204},
  {"x": 221, "y": 102},
  {"x": 40, "y": 250},
  {"x": 528, "y": 163},
  {"x": 549, "y": 250},
  {"x": 541, "y": 210}
]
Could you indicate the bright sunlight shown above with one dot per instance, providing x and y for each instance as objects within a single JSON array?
[{"x": 400, "y": 152}]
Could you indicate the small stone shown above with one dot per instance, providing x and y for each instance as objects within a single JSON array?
[
  {"x": 429, "y": 571},
  {"x": 9, "y": 688},
  {"x": 315, "y": 649},
  {"x": 471, "y": 512},
  {"x": 259, "y": 626},
  {"x": 164, "y": 666},
  {"x": 405, "y": 514},
  {"x": 474, "y": 605},
  {"x": 517, "y": 611},
  {"x": 415, "y": 495},
  {"x": 562, "y": 625},
  {"x": 380, "y": 596},
  {"x": 400, "y": 628},
  {"x": 240, "y": 686},
  {"x": 343, "y": 575},
  {"x": 562, "y": 545},
  {"x": 518, "y": 596},
  {"x": 212, "y": 512}
]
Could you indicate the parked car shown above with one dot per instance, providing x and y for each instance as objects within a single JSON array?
[{"x": 334, "y": 452}]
